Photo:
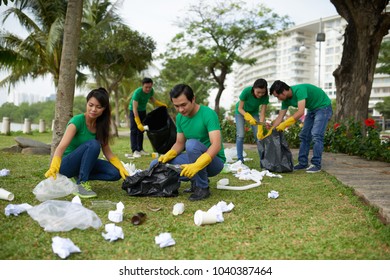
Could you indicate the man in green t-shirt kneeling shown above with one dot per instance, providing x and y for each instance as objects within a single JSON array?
[{"x": 198, "y": 148}]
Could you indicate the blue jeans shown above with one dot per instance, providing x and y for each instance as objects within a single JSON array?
[
  {"x": 136, "y": 136},
  {"x": 84, "y": 163},
  {"x": 194, "y": 149},
  {"x": 240, "y": 134},
  {"x": 314, "y": 128}
]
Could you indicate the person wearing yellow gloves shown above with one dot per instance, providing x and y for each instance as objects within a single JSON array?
[
  {"x": 247, "y": 109},
  {"x": 137, "y": 107},
  {"x": 198, "y": 148},
  {"x": 319, "y": 112},
  {"x": 77, "y": 154}
]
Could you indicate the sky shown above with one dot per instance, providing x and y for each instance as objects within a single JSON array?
[{"x": 156, "y": 18}]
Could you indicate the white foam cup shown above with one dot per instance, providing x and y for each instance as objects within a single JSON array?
[
  {"x": 178, "y": 209},
  {"x": 146, "y": 127},
  {"x": 6, "y": 195},
  {"x": 204, "y": 218}
]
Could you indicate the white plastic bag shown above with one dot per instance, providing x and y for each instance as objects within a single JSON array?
[
  {"x": 56, "y": 215},
  {"x": 54, "y": 188}
]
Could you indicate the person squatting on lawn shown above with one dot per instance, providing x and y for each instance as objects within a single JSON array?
[
  {"x": 78, "y": 151},
  {"x": 137, "y": 107},
  {"x": 247, "y": 109},
  {"x": 199, "y": 134},
  {"x": 319, "y": 112}
]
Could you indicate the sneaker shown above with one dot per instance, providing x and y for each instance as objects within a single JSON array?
[
  {"x": 300, "y": 166},
  {"x": 313, "y": 169},
  {"x": 85, "y": 191},
  {"x": 143, "y": 153},
  {"x": 137, "y": 154}
]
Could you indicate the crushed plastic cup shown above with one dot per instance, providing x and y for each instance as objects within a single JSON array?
[
  {"x": 6, "y": 195},
  {"x": 178, "y": 209},
  {"x": 146, "y": 127},
  {"x": 205, "y": 218},
  {"x": 138, "y": 218}
]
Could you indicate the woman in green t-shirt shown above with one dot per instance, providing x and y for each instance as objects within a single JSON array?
[
  {"x": 78, "y": 151},
  {"x": 247, "y": 109}
]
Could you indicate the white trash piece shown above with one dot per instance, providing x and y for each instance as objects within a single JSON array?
[
  {"x": 205, "y": 218},
  {"x": 63, "y": 247},
  {"x": 6, "y": 195},
  {"x": 178, "y": 209},
  {"x": 117, "y": 215},
  {"x": 273, "y": 194},
  {"x": 164, "y": 240},
  {"x": 58, "y": 215},
  {"x": 113, "y": 232},
  {"x": 54, "y": 188}
]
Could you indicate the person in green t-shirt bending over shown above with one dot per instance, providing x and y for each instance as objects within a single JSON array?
[
  {"x": 319, "y": 112},
  {"x": 247, "y": 109},
  {"x": 198, "y": 148},
  {"x": 137, "y": 108}
]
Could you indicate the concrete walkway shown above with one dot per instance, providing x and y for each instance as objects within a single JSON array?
[{"x": 369, "y": 179}]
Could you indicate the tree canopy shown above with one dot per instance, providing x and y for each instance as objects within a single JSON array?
[{"x": 216, "y": 33}]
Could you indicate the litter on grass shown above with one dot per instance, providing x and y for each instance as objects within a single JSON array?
[
  {"x": 113, "y": 232},
  {"x": 164, "y": 240},
  {"x": 56, "y": 215},
  {"x": 16, "y": 209},
  {"x": 273, "y": 194},
  {"x": 51, "y": 188},
  {"x": 63, "y": 247},
  {"x": 116, "y": 216},
  {"x": 213, "y": 215},
  {"x": 4, "y": 172}
]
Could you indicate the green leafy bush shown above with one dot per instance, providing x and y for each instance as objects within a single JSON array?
[{"x": 228, "y": 128}]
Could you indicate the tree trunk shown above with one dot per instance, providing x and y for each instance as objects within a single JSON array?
[
  {"x": 67, "y": 79},
  {"x": 367, "y": 25}
]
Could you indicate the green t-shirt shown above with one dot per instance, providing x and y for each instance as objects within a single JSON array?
[
  {"x": 141, "y": 97},
  {"x": 198, "y": 127},
  {"x": 315, "y": 97},
  {"x": 251, "y": 103},
  {"x": 82, "y": 133}
]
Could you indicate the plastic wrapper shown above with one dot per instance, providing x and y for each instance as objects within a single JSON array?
[
  {"x": 275, "y": 155},
  {"x": 56, "y": 215},
  {"x": 51, "y": 188},
  {"x": 162, "y": 130},
  {"x": 160, "y": 180}
]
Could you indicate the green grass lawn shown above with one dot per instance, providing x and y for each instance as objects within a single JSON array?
[{"x": 315, "y": 217}]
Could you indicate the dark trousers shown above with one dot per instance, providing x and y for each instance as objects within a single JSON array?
[{"x": 136, "y": 136}]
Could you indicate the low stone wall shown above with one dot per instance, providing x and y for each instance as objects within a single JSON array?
[{"x": 28, "y": 146}]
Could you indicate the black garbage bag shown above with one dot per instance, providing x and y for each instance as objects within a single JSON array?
[
  {"x": 161, "y": 180},
  {"x": 162, "y": 130},
  {"x": 275, "y": 155}
]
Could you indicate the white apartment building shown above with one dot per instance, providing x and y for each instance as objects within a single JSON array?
[{"x": 307, "y": 53}]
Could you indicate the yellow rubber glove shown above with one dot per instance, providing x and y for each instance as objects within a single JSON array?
[
  {"x": 269, "y": 132},
  {"x": 159, "y": 103},
  {"x": 139, "y": 124},
  {"x": 251, "y": 120},
  {"x": 118, "y": 164},
  {"x": 285, "y": 124},
  {"x": 190, "y": 170},
  {"x": 171, "y": 154},
  {"x": 54, "y": 167},
  {"x": 260, "y": 132}
]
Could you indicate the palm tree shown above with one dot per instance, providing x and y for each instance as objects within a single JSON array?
[{"x": 39, "y": 53}]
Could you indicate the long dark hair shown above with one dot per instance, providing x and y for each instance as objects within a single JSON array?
[
  {"x": 103, "y": 122},
  {"x": 260, "y": 83}
]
